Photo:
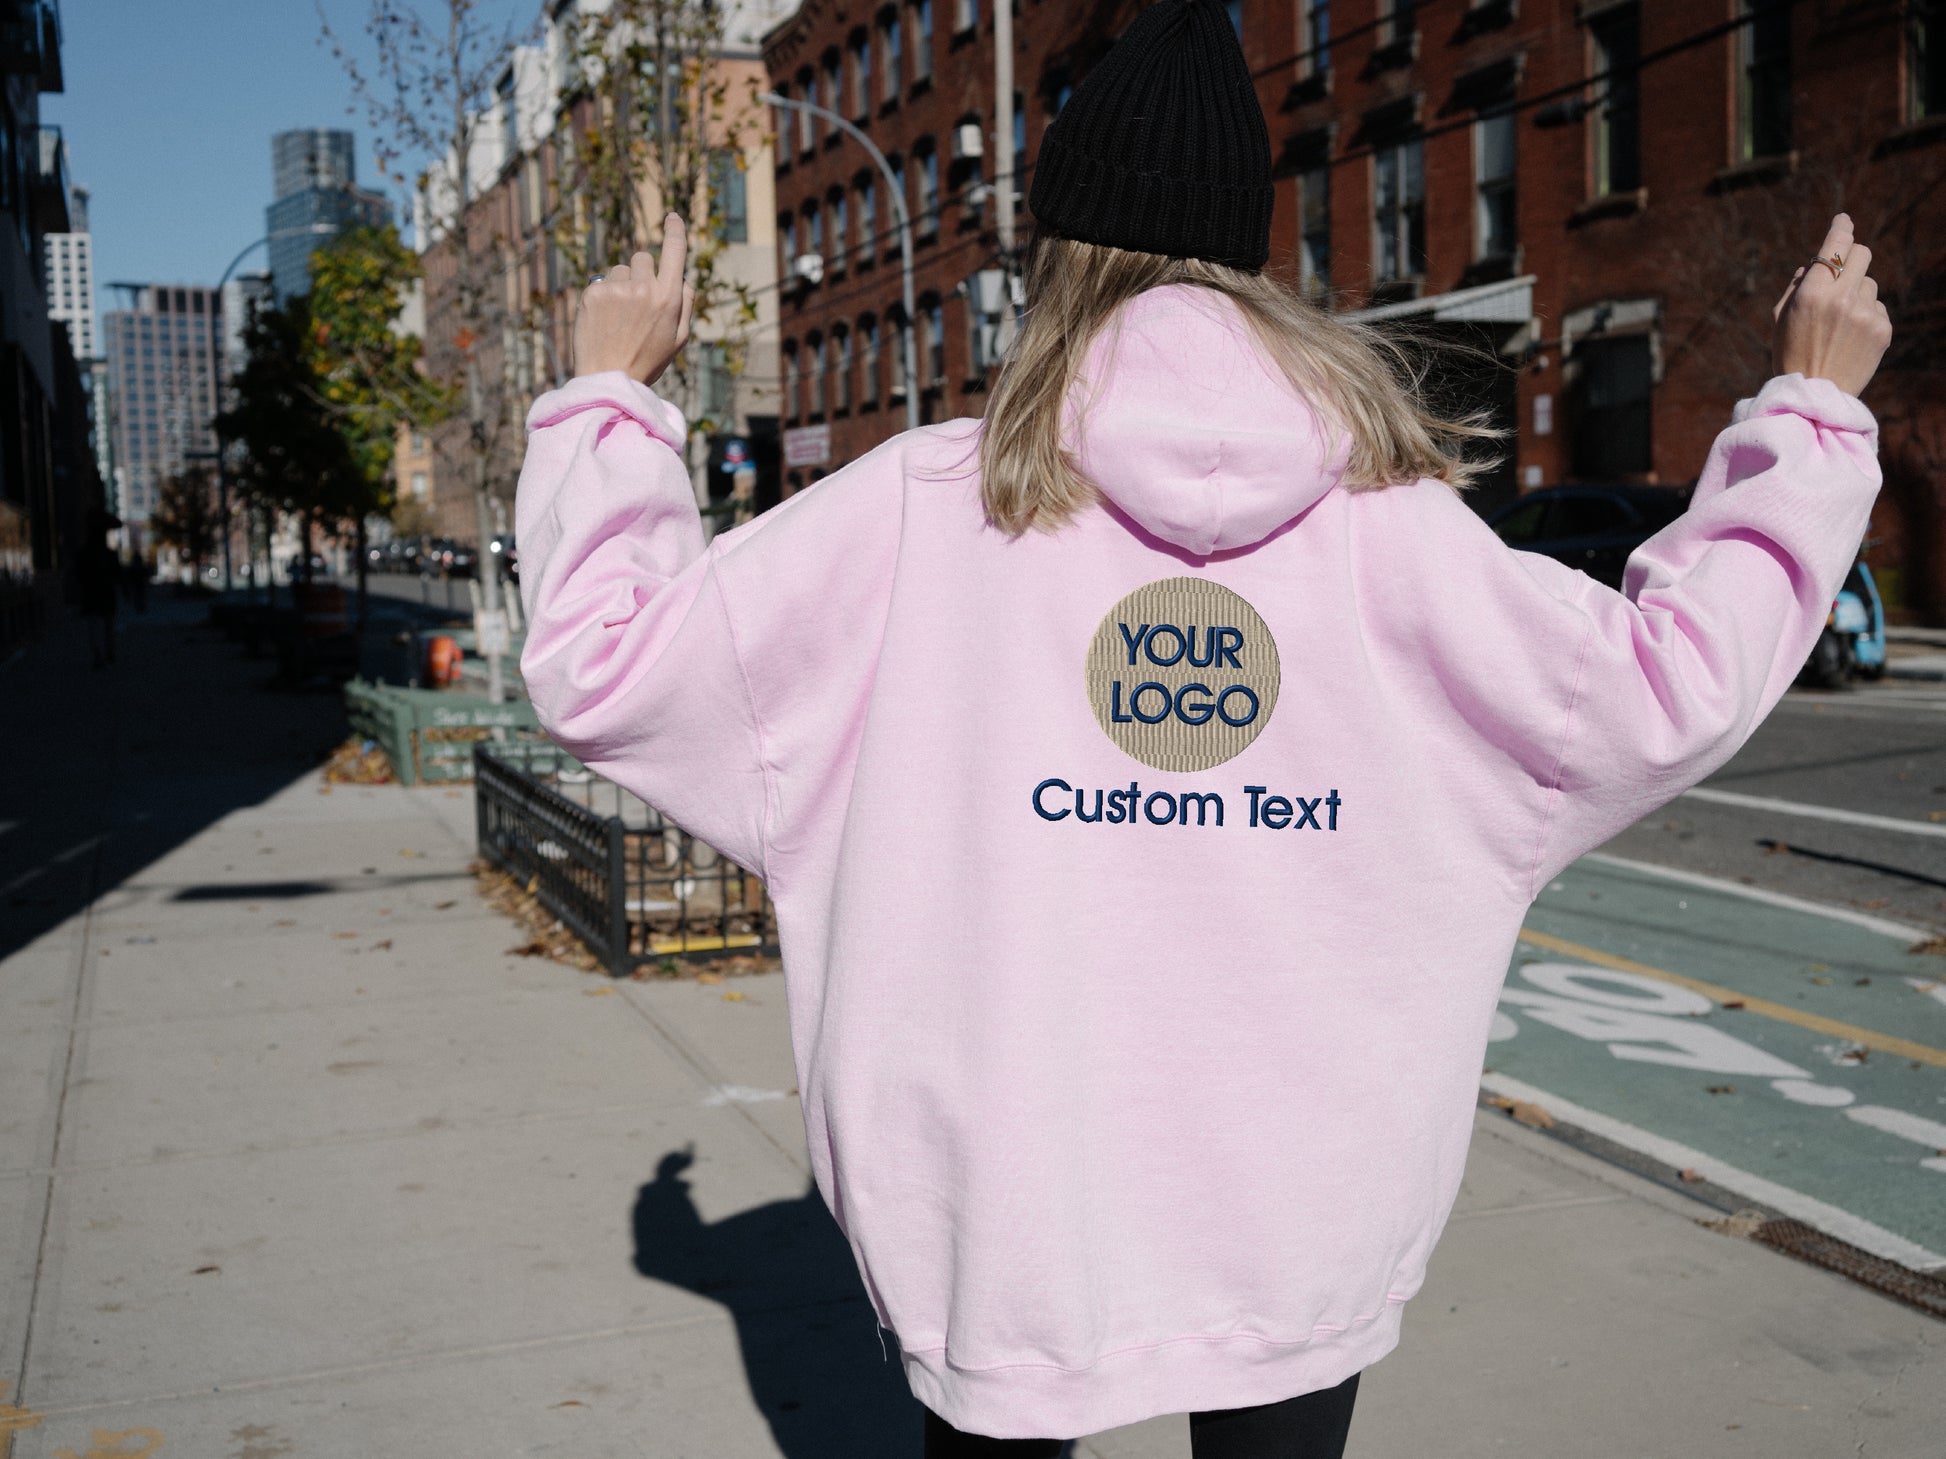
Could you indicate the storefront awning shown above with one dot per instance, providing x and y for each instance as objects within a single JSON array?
[{"x": 1508, "y": 301}]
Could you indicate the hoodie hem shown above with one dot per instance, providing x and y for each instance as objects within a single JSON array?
[{"x": 1179, "y": 1375}]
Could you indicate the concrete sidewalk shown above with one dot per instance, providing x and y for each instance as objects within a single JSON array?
[{"x": 295, "y": 1159}]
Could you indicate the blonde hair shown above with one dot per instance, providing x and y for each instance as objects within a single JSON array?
[{"x": 1367, "y": 381}]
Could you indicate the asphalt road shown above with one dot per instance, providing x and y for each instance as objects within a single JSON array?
[{"x": 1749, "y": 984}]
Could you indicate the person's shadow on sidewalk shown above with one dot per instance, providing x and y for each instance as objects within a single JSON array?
[{"x": 807, "y": 1331}]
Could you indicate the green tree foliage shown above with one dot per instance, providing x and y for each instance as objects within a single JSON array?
[{"x": 366, "y": 369}]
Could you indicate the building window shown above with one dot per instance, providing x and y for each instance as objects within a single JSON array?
[
  {"x": 1610, "y": 440},
  {"x": 1314, "y": 243},
  {"x": 861, "y": 75},
  {"x": 807, "y": 124},
  {"x": 890, "y": 43},
  {"x": 927, "y": 222},
  {"x": 790, "y": 381},
  {"x": 868, "y": 352},
  {"x": 840, "y": 232},
  {"x": 1315, "y": 38},
  {"x": 509, "y": 119},
  {"x": 813, "y": 229},
  {"x": 834, "y": 85},
  {"x": 1493, "y": 176},
  {"x": 1925, "y": 58},
  {"x": 1399, "y": 210},
  {"x": 782, "y": 121},
  {"x": 898, "y": 187},
  {"x": 729, "y": 196},
  {"x": 966, "y": 14},
  {"x": 1615, "y": 38},
  {"x": 816, "y": 369},
  {"x": 868, "y": 221},
  {"x": 787, "y": 244},
  {"x": 921, "y": 40},
  {"x": 1763, "y": 80},
  {"x": 1396, "y": 21},
  {"x": 841, "y": 365},
  {"x": 933, "y": 317}
]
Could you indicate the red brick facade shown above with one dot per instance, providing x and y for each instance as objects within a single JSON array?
[{"x": 1607, "y": 196}]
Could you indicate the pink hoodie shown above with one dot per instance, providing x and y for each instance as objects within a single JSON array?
[{"x": 1127, "y": 1114}]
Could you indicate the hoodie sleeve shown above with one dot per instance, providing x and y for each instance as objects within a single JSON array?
[
  {"x": 1716, "y": 615},
  {"x": 631, "y": 658}
]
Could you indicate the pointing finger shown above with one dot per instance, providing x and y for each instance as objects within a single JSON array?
[
  {"x": 1837, "y": 238},
  {"x": 675, "y": 251}
]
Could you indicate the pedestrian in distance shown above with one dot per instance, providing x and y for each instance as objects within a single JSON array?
[
  {"x": 98, "y": 574},
  {"x": 1152, "y": 777}
]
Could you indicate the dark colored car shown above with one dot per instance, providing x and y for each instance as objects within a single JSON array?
[{"x": 1594, "y": 528}]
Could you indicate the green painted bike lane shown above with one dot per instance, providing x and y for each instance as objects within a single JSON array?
[{"x": 1796, "y": 1053}]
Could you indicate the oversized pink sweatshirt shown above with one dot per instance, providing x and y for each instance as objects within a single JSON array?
[{"x": 1145, "y": 887}]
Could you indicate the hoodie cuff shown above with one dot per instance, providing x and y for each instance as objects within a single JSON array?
[
  {"x": 1816, "y": 400},
  {"x": 616, "y": 392}
]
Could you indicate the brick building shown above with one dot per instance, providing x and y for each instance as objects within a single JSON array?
[
  {"x": 1602, "y": 195},
  {"x": 520, "y": 157}
]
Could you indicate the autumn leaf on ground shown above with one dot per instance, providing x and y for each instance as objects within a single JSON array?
[
  {"x": 1689, "y": 1176},
  {"x": 1523, "y": 1111}
]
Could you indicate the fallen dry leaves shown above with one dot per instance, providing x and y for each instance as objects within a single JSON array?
[
  {"x": 1523, "y": 1111},
  {"x": 358, "y": 762}
]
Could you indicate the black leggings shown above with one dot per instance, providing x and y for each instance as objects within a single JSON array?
[{"x": 1310, "y": 1426}]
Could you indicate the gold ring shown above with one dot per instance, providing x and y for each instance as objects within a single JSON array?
[{"x": 1834, "y": 263}]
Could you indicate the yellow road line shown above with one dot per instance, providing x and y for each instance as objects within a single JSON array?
[{"x": 1884, "y": 1043}]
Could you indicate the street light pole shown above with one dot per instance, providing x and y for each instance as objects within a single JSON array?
[
  {"x": 900, "y": 212},
  {"x": 219, "y": 367}
]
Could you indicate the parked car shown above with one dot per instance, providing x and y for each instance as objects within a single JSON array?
[
  {"x": 1593, "y": 528},
  {"x": 1853, "y": 640}
]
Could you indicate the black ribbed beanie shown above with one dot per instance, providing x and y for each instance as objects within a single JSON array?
[{"x": 1163, "y": 147}]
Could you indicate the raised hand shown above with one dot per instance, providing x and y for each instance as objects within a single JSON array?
[
  {"x": 635, "y": 318},
  {"x": 1830, "y": 324}
]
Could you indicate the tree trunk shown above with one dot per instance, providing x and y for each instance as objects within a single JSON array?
[{"x": 363, "y": 569}]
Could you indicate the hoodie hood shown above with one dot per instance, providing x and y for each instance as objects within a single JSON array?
[{"x": 1181, "y": 421}]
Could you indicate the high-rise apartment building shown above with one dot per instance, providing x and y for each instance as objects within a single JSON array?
[
  {"x": 71, "y": 276},
  {"x": 70, "y": 265},
  {"x": 314, "y": 172},
  {"x": 162, "y": 354}
]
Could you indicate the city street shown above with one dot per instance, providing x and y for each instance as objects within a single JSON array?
[{"x": 296, "y": 1157}]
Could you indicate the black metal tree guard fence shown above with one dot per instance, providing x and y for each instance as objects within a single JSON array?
[{"x": 624, "y": 880}]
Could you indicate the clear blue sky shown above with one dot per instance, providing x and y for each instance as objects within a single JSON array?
[{"x": 168, "y": 113}]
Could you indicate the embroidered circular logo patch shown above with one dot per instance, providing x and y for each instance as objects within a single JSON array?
[{"x": 1182, "y": 674}]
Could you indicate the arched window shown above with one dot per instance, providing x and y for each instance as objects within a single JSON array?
[
  {"x": 807, "y": 124},
  {"x": 868, "y": 350},
  {"x": 834, "y": 87},
  {"x": 932, "y": 344},
  {"x": 841, "y": 370},
  {"x": 861, "y": 74},
  {"x": 868, "y": 221},
  {"x": 813, "y": 228},
  {"x": 790, "y": 381},
  {"x": 816, "y": 369},
  {"x": 925, "y": 218},
  {"x": 840, "y": 211}
]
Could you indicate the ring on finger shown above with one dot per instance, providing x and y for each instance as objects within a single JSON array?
[{"x": 1835, "y": 263}]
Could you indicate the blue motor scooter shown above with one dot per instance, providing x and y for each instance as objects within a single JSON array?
[{"x": 1853, "y": 640}]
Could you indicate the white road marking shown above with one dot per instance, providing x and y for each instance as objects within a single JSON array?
[
  {"x": 1916, "y": 1128},
  {"x": 1884, "y": 926},
  {"x": 1930, "y": 988},
  {"x": 1817, "y": 812},
  {"x": 1867, "y": 1235}
]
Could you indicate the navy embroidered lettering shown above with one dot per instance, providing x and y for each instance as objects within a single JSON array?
[
  {"x": 1044, "y": 813},
  {"x": 1157, "y": 632},
  {"x": 1115, "y": 714},
  {"x": 1135, "y": 703},
  {"x": 1128, "y": 806},
  {"x": 1227, "y": 641},
  {"x": 1203, "y": 800},
  {"x": 1197, "y": 713},
  {"x": 1134, "y": 642},
  {"x": 1209, "y": 648},
  {"x": 1223, "y": 700}
]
